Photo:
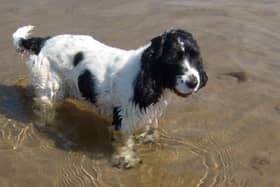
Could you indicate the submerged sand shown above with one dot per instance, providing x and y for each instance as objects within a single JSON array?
[{"x": 226, "y": 135}]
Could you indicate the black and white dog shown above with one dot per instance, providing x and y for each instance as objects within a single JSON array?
[{"x": 132, "y": 86}]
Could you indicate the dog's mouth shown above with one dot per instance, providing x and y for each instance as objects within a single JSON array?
[{"x": 182, "y": 94}]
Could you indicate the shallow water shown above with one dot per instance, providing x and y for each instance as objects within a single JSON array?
[{"x": 226, "y": 135}]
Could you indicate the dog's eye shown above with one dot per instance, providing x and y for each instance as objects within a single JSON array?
[
  {"x": 193, "y": 53},
  {"x": 179, "y": 55}
]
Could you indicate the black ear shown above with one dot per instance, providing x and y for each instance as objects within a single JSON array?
[
  {"x": 148, "y": 88},
  {"x": 154, "y": 51}
]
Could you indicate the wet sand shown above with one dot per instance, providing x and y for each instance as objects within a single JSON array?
[{"x": 226, "y": 135}]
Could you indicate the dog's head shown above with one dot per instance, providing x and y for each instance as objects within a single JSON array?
[{"x": 174, "y": 60}]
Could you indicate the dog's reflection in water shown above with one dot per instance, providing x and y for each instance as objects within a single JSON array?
[{"x": 73, "y": 125}]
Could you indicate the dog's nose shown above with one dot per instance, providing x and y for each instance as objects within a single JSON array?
[{"x": 192, "y": 82}]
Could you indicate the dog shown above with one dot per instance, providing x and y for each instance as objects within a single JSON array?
[{"x": 132, "y": 86}]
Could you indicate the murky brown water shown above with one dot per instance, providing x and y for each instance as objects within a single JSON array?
[{"x": 227, "y": 135}]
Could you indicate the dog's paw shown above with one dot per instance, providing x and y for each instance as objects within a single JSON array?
[{"x": 126, "y": 160}]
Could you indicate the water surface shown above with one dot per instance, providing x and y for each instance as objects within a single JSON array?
[{"x": 226, "y": 135}]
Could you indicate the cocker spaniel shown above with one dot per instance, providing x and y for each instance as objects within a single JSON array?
[{"x": 132, "y": 86}]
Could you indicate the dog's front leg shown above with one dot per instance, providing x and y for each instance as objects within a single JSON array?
[
  {"x": 150, "y": 135},
  {"x": 124, "y": 155}
]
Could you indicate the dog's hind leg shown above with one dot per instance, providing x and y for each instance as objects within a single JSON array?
[{"x": 47, "y": 87}]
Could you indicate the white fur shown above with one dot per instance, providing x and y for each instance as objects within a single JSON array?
[
  {"x": 55, "y": 77},
  {"x": 183, "y": 79},
  {"x": 115, "y": 70},
  {"x": 23, "y": 32}
]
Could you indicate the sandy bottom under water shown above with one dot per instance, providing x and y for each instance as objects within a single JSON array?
[{"x": 226, "y": 135}]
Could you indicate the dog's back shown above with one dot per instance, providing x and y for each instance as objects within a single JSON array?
[{"x": 78, "y": 66}]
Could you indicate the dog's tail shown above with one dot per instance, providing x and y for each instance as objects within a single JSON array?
[{"x": 23, "y": 42}]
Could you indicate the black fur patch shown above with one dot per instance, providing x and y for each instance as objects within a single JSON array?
[
  {"x": 78, "y": 58},
  {"x": 86, "y": 85},
  {"x": 162, "y": 62},
  {"x": 117, "y": 118},
  {"x": 34, "y": 44},
  {"x": 147, "y": 91}
]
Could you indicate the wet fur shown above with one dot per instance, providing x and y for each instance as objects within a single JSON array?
[{"x": 133, "y": 85}]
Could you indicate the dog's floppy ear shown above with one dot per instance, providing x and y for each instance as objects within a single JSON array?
[
  {"x": 147, "y": 88},
  {"x": 154, "y": 51}
]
